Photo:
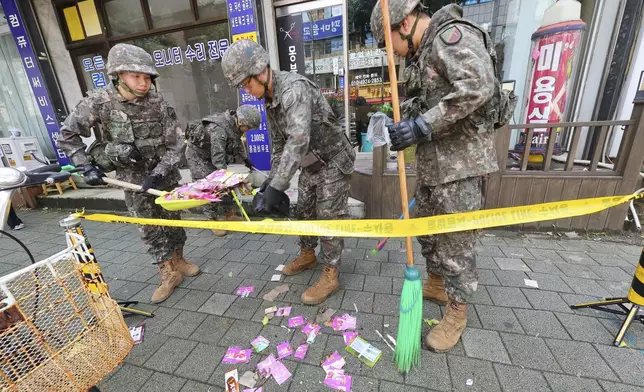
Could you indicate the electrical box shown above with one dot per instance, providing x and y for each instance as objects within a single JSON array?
[{"x": 18, "y": 152}]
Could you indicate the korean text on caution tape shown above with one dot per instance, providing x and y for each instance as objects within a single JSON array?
[{"x": 392, "y": 227}]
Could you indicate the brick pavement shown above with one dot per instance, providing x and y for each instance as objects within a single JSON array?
[{"x": 518, "y": 338}]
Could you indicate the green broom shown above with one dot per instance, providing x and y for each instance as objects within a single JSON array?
[{"x": 411, "y": 302}]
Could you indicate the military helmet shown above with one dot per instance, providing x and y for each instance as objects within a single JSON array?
[
  {"x": 398, "y": 10},
  {"x": 248, "y": 116},
  {"x": 243, "y": 59},
  {"x": 129, "y": 58}
]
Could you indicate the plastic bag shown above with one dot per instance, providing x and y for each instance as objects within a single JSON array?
[{"x": 377, "y": 133}]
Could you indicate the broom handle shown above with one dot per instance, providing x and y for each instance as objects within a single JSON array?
[
  {"x": 127, "y": 185},
  {"x": 402, "y": 175}
]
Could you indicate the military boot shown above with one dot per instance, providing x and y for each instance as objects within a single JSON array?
[
  {"x": 445, "y": 335},
  {"x": 305, "y": 260},
  {"x": 230, "y": 216},
  {"x": 434, "y": 290},
  {"x": 183, "y": 266},
  {"x": 170, "y": 278},
  {"x": 325, "y": 286}
]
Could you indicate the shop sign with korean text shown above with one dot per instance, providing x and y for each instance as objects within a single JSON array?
[
  {"x": 554, "y": 54},
  {"x": 243, "y": 25},
  {"x": 34, "y": 76}
]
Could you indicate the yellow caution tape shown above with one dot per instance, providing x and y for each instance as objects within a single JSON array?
[{"x": 394, "y": 227}]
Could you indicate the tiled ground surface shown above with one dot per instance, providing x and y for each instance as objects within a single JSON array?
[{"x": 518, "y": 338}]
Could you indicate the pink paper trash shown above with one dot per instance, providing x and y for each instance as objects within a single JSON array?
[
  {"x": 266, "y": 365},
  {"x": 245, "y": 291},
  {"x": 236, "y": 355},
  {"x": 343, "y": 323},
  {"x": 296, "y": 322},
  {"x": 300, "y": 353},
  {"x": 284, "y": 350},
  {"x": 280, "y": 373},
  {"x": 336, "y": 379},
  {"x": 260, "y": 343},
  {"x": 283, "y": 312},
  {"x": 334, "y": 361},
  {"x": 349, "y": 336},
  {"x": 311, "y": 328}
]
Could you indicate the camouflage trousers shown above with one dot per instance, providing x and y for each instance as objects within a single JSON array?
[
  {"x": 451, "y": 255},
  {"x": 200, "y": 168},
  {"x": 323, "y": 195},
  {"x": 161, "y": 241}
]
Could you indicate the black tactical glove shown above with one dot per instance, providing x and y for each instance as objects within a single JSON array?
[
  {"x": 92, "y": 175},
  {"x": 273, "y": 198},
  {"x": 408, "y": 132},
  {"x": 248, "y": 163},
  {"x": 264, "y": 185},
  {"x": 152, "y": 181}
]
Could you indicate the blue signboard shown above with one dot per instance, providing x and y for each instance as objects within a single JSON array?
[
  {"x": 36, "y": 81},
  {"x": 241, "y": 16},
  {"x": 325, "y": 28},
  {"x": 242, "y": 22}
]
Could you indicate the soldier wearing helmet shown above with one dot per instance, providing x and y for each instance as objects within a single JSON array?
[
  {"x": 452, "y": 109},
  {"x": 142, "y": 144},
  {"x": 215, "y": 143},
  {"x": 306, "y": 135}
]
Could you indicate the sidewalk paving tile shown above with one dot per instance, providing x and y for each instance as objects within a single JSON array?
[
  {"x": 546, "y": 300},
  {"x": 484, "y": 344},
  {"x": 563, "y": 383},
  {"x": 541, "y": 323},
  {"x": 628, "y": 364},
  {"x": 580, "y": 358},
  {"x": 518, "y": 379},
  {"x": 508, "y": 296},
  {"x": 530, "y": 352},
  {"x": 184, "y": 324},
  {"x": 201, "y": 362},
  {"x": 161, "y": 382},
  {"x": 508, "y": 264},
  {"x": 480, "y": 372},
  {"x": 168, "y": 358},
  {"x": 433, "y": 372},
  {"x": 498, "y": 319},
  {"x": 218, "y": 303},
  {"x": 585, "y": 329}
]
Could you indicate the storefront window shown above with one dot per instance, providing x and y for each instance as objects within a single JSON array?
[
  {"x": 125, "y": 17},
  {"x": 170, "y": 12},
  {"x": 18, "y": 108},
  {"x": 189, "y": 64},
  {"x": 211, "y": 9}
]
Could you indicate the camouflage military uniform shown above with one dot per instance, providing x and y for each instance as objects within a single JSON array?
[
  {"x": 147, "y": 125},
  {"x": 305, "y": 134},
  {"x": 450, "y": 166},
  {"x": 213, "y": 146}
]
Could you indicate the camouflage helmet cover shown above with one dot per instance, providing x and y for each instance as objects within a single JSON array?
[
  {"x": 248, "y": 116},
  {"x": 398, "y": 10},
  {"x": 129, "y": 58},
  {"x": 243, "y": 59}
]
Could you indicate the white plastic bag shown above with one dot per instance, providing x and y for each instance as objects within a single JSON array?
[{"x": 377, "y": 132}]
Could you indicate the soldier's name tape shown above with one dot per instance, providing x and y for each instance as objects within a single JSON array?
[{"x": 392, "y": 227}]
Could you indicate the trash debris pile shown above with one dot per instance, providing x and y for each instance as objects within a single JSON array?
[
  {"x": 272, "y": 366},
  {"x": 213, "y": 188}
]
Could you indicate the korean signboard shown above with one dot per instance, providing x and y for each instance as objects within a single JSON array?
[
  {"x": 95, "y": 67},
  {"x": 554, "y": 53},
  {"x": 321, "y": 29},
  {"x": 243, "y": 25},
  {"x": 34, "y": 76},
  {"x": 290, "y": 45}
]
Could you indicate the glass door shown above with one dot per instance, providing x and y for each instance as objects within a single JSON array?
[{"x": 310, "y": 41}]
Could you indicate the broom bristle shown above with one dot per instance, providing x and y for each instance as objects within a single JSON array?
[{"x": 408, "y": 343}]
